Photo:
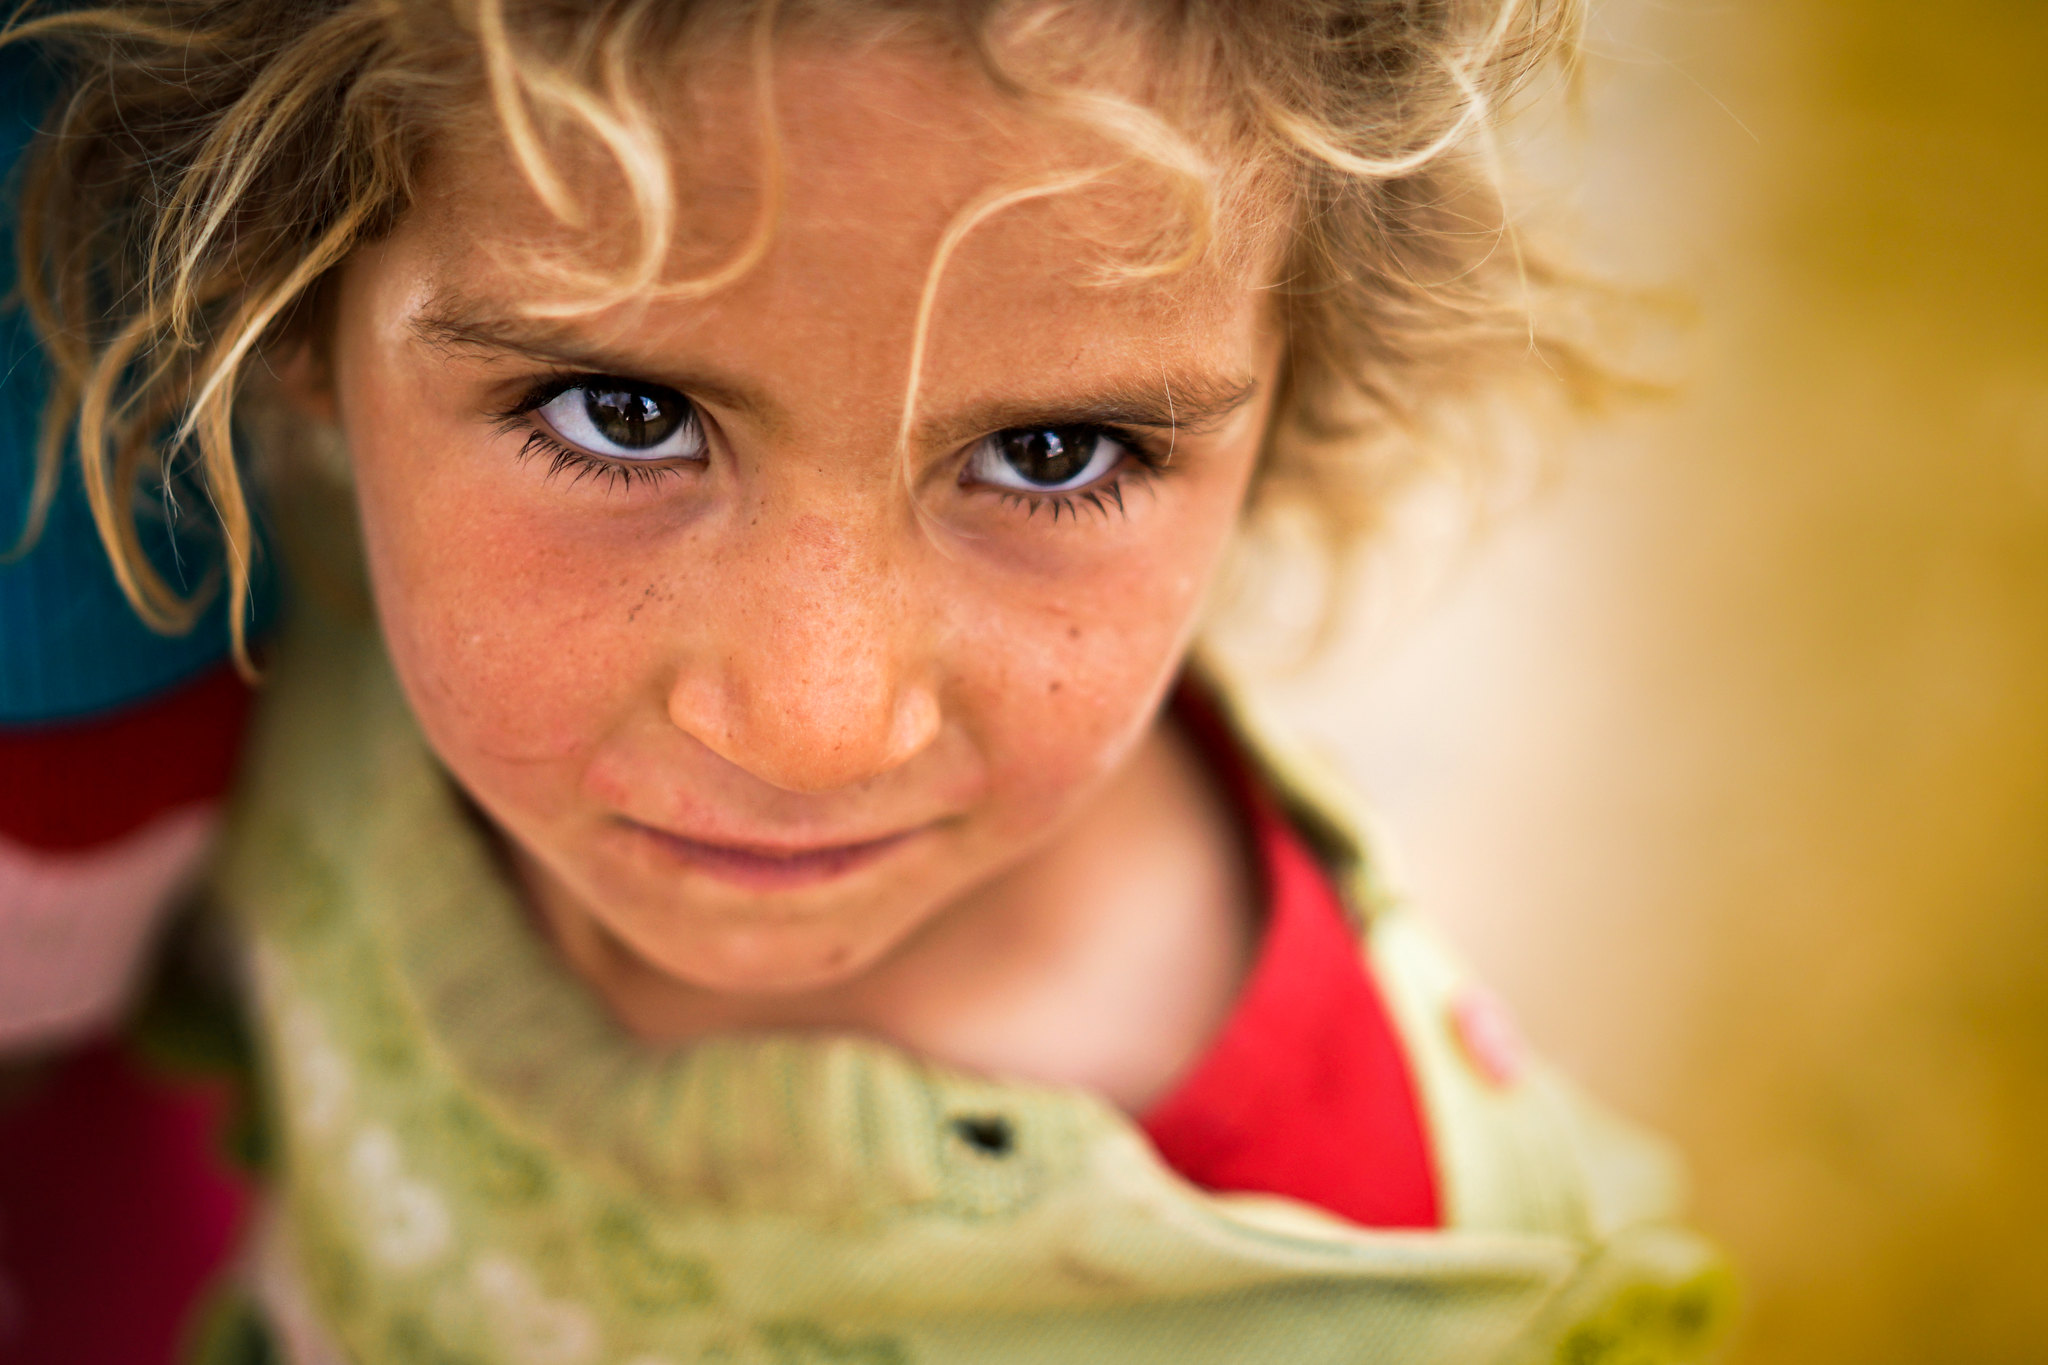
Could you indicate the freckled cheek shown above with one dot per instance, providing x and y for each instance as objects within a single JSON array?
[
  {"x": 1076, "y": 683},
  {"x": 500, "y": 627}
]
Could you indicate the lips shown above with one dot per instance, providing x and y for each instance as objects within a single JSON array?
[{"x": 771, "y": 868}]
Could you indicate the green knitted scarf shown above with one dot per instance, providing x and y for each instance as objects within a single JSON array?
[{"x": 478, "y": 1166}]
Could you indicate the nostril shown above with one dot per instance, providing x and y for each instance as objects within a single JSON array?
[{"x": 989, "y": 1134}]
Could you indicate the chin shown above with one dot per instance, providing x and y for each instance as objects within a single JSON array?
[{"x": 784, "y": 960}]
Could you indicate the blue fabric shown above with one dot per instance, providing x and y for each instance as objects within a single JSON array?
[{"x": 70, "y": 643}]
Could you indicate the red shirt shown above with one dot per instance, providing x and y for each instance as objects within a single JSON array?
[{"x": 1305, "y": 1092}]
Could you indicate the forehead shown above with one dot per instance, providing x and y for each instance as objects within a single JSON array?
[{"x": 882, "y": 148}]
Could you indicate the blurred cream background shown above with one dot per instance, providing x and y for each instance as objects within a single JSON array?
[{"x": 1726, "y": 756}]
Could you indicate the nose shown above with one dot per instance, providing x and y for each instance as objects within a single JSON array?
[{"x": 812, "y": 676}]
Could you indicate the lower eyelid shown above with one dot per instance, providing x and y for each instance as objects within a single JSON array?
[{"x": 566, "y": 458}]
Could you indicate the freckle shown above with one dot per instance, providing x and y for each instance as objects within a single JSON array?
[
  {"x": 1052, "y": 687},
  {"x": 1073, "y": 632}
]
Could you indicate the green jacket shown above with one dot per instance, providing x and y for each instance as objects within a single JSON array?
[{"x": 476, "y": 1166}]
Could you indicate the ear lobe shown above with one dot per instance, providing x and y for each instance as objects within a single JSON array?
[{"x": 305, "y": 379}]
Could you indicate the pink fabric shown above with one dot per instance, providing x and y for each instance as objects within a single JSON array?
[
  {"x": 75, "y": 926},
  {"x": 117, "y": 1210}
]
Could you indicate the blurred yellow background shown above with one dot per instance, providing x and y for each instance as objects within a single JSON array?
[{"x": 1726, "y": 757}]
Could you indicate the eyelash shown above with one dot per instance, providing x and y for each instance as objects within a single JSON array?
[
  {"x": 581, "y": 464},
  {"x": 1145, "y": 462},
  {"x": 564, "y": 458}
]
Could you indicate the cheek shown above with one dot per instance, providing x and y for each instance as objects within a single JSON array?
[
  {"x": 1069, "y": 685},
  {"x": 498, "y": 622}
]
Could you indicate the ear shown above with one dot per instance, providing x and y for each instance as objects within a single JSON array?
[{"x": 305, "y": 378}]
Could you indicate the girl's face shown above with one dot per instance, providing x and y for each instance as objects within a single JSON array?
[{"x": 745, "y": 683}]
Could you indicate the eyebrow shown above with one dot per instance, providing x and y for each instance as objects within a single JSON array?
[
  {"x": 1186, "y": 402},
  {"x": 1182, "y": 400},
  {"x": 450, "y": 325}
]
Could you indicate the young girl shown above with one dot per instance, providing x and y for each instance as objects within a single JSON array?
[{"x": 757, "y": 876}]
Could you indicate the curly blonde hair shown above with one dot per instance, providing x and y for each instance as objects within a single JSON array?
[{"x": 212, "y": 162}]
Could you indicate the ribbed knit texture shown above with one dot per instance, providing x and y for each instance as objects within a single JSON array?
[{"x": 480, "y": 1166}]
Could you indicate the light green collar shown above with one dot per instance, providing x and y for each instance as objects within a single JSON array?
[{"x": 480, "y": 1166}]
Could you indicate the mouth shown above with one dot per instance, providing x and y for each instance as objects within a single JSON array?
[{"x": 755, "y": 867}]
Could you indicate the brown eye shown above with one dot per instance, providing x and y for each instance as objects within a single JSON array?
[
  {"x": 633, "y": 420},
  {"x": 1045, "y": 459},
  {"x": 625, "y": 421}
]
